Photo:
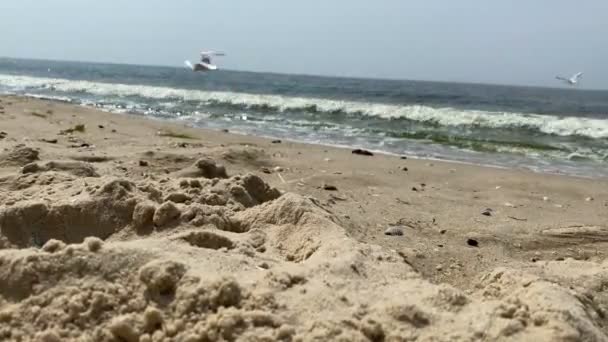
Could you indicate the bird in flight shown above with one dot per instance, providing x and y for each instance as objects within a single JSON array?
[{"x": 572, "y": 80}]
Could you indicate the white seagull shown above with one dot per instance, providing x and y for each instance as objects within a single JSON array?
[
  {"x": 572, "y": 80},
  {"x": 205, "y": 63}
]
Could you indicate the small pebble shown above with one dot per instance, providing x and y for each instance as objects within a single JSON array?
[
  {"x": 276, "y": 141},
  {"x": 487, "y": 212},
  {"x": 472, "y": 243},
  {"x": 143, "y": 163},
  {"x": 545, "y": 198},
  {"x": 589, "y": 199},
  {"x": 329, "y": 187},
  {"x": 101, "y": 126},
  {"x": 362, "y": 152}
]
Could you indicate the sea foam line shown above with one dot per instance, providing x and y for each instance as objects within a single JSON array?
[{"x": 548, "y": 124}]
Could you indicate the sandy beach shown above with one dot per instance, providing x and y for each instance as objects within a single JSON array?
[{"x": 116, "y": 227}]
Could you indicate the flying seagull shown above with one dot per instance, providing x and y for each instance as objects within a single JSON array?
[
  {"x": 572, "y": 80},
  {"x": 205, "y": 63}
]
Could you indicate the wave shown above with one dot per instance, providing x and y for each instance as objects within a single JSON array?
[{"x": 547, "y": 124}]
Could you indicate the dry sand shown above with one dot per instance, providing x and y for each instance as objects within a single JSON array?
[{"x": 128, "y": 229}]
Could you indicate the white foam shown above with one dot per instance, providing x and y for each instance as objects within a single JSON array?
[{"x": 548, "y": 124}]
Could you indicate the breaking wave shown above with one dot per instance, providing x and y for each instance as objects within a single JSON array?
[{"x": 546, "y": 124}]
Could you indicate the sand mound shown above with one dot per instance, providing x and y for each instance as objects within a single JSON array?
[
  {"x": 204, "y": 257},
  {"x": 18, "y": 156}
]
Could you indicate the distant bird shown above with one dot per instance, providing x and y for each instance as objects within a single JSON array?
[
  {"x": 205, "y": 63},
  {"x": 572, "y": 80}
]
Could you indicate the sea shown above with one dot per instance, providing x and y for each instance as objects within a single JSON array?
[{"x": 551, "y": 130}]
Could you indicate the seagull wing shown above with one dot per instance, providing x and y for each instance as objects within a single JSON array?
[
  {"x": 562, "y": 78},
  {"x": 212, "y": 53},
  {"x": 577, "y": 76}
]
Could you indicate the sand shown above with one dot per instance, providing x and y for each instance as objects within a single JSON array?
[{"x": 120, "y": 228}]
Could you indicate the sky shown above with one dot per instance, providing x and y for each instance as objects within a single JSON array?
[{"x": 519, "y": 42}]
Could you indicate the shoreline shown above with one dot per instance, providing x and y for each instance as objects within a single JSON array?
[
  {"x": 327, "y": 145},
  {"x": 130, "y": 222}
]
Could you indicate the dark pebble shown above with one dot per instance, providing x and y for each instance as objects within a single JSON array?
[
  {"x": 362, "y": 152},
  {"x": 276, "y": 141},
  {"x": 414, "y": 188},
  {"x": 472, "y": 243},
  {"x": 330, "y": 187},
  {"x": 443, "y": 231},
  {"x": 487, "y": 212},
  {"x": 101, "y": 126},
  {"x": 143, "y": 163},
  {"x": 404, "y": 157},
  {"x": 405, "y": 169}
]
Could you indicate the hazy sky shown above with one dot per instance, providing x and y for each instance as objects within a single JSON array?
[{"x": 500, "y": 41}]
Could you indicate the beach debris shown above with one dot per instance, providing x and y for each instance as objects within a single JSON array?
[
  {"x": 49, "y": 141},
  {"x": 498, "y": 187},
  {"x": 472, "y": 243},
  {"x": 329, "y": 187},
  {"x": 402, "y": 201},
  {"x": 327, "y": 159},
  {"x": 266, "y": 170},
  {"x": 78, "y": 128},
  {"x": 337, "y": 198},
  {"x": 558, "y": 205},
  {"x": 510, "y": 205},
  {"x": 225, "y": 130},
  {"x": 3, "y": 134},
  {"x": 393, "y": 231},
  {"x": 276, "y": 141},
  {"x": 414, "y": 188},
  {"x": 362, "y": 152},
  {"x": 101, "y": 126},
  {"x": 588, "y": 199},
  {"x": 279, "y": 169},
  {"x": 517, "y": 218},
  {"x": 405, "y": 169},
  {"x": 545, "y": 198},
  {"x": 84, "y": 144},
  {"x": 403, "y": 157},
  {"x": 143, "y": 163},
  {"x": 113, "y": 131},
  {"x": 487, "y": 212},
  {"x": 443, "y": 231}
]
